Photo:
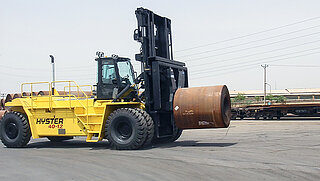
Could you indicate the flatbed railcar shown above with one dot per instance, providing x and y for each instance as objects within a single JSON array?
[{"x": 276, "y": 111}]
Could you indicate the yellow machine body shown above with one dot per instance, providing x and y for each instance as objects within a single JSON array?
[{"x": 67, "y": 113}]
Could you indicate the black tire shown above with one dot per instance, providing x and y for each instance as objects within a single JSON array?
[
  {"x": 126, "y": 129},
  {"x": 14, "y": 130},
  {"x": 150, "y": 127},
  {"x": 57, "y": 139}
]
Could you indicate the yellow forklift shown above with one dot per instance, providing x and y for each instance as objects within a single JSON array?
[{"x": 129, "y": 111}]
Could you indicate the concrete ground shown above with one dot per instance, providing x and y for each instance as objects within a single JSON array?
[{"x": 248, "y": 150}]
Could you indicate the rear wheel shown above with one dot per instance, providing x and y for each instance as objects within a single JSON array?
[
  {"x": 59, "y": 138},
  {"x": 126, "y": 129},
  {"x": 14, "y": 130}
]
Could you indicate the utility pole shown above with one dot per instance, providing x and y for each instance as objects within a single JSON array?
[{"x": 265, "y": 82}]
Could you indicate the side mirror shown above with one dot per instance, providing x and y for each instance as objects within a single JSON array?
[{"x": 137, "y": 35}]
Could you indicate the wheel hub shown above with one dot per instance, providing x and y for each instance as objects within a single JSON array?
[
  {"x": 124, "y": 130},
  {"x": 11, "y": 130}
]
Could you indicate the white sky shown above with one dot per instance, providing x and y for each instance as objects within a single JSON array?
[{"x": 73, "y": 30}]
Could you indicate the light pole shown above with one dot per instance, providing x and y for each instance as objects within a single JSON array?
[{"x": 265, "y": 82}]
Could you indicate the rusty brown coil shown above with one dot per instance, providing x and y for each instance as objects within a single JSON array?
[
  {"x": 9, "y": 98},
  {"x": 17, "y": 95},
  {"x": 202, "y": 107},
  {"x": 61, "y": 93},
  {"x": 76, "y": 93},
  {"x": 26, "y": 93},
  {"x": 2, "y": 107},
  {"x": 2, "y": 112},
  {"x": 43, "y": 93}
]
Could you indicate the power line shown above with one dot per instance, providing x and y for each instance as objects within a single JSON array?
[
  {"x": 88, "y": 70},
  {"x": 274, "y": 50},
  {"x": 250, "y": 65},
  {"x": 240, "y": 63},
  {"x": 62, "y": 69},
  {"x": 299, "y": 66},
  {"x": 41, "y": 69},
  {"x": 78, "y": 67},
  {"x": 19, "y": 75},
  {"x": 258, "y": 46},
  {"x": 204, "y": 52},
  {"x": 92, "y": 80},
  {"x": 6, "y": 74},
  {"x": 229, "y": 72},
  {"x": 23, "y": 68},
  {"x": 251, "y": 34},
  {"x": 246, "y": 43}
]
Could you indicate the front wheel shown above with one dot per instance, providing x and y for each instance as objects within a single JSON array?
[
  {"x": 127, "y": 129},
  {"x": 14, "y": 130}
]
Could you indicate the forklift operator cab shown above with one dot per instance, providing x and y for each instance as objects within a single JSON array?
[{"x": 114, "y": 75}]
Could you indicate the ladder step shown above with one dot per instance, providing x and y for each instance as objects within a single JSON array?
[
  {"x": 93, "y": 132},
  {"x": 83, "y": 115},
  {"x": 92, "y": 141}
]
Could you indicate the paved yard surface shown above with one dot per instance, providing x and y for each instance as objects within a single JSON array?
[{"x": 248, "y": 150}]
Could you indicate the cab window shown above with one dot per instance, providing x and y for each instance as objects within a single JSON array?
[
  {"x": 108, "y": 73},
  {"x": 125, "y": 71}
]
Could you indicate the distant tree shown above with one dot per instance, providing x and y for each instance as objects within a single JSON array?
[
  {"x": 270, "y": 97},
  {"x": 240, "y": 97},
  {"x": 257, "y": 98},
  {"x": 280, "y": 99},
  {"x": 248, "y": 101},
  {"x": 277, "y": 99}
]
